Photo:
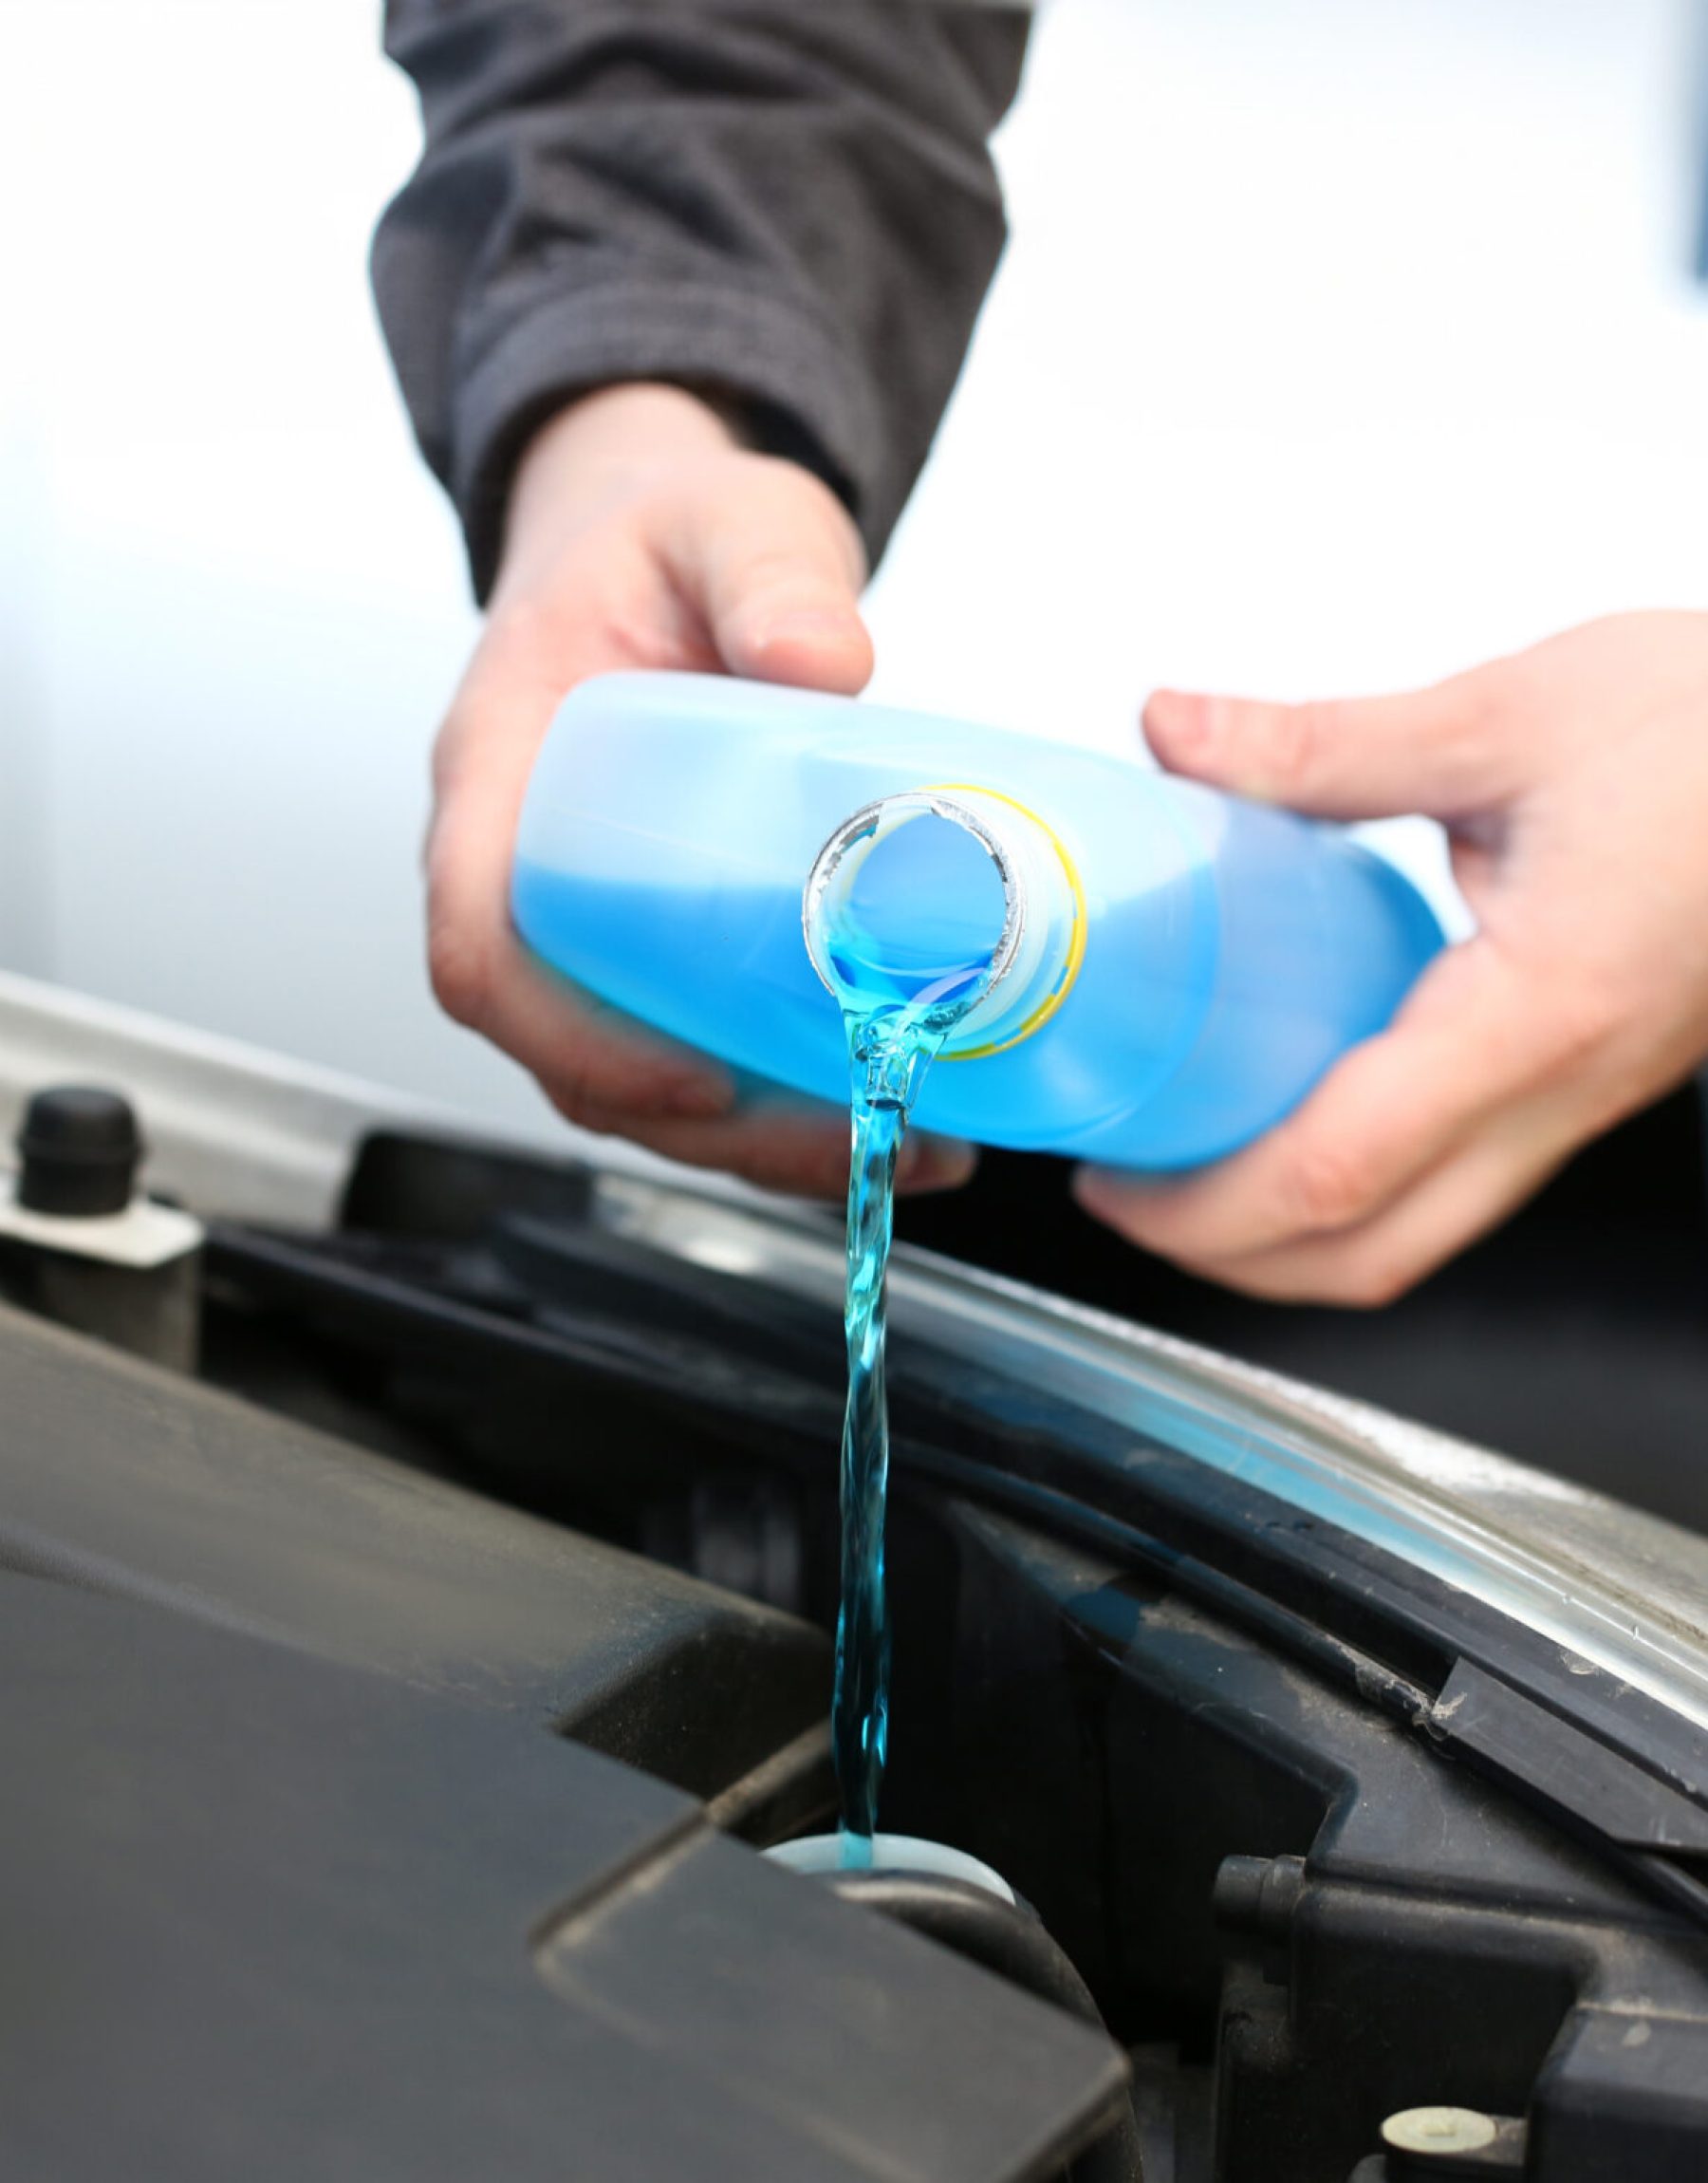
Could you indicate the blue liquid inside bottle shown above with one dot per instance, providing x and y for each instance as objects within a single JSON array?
[{"x": 1187, "y": 965}]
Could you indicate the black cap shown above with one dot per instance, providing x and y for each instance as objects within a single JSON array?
[{"x": 81, "y": 1148}]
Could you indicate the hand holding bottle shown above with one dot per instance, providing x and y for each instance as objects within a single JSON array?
[
  {"x": 1573, "y": 780},
  {"x": 640, "y": 535}
]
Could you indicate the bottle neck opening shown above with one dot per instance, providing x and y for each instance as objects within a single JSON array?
[{"x": 954, "y": 905}]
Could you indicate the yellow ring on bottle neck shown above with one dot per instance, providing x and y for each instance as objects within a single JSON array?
[{"x": 1076, "y": 943}]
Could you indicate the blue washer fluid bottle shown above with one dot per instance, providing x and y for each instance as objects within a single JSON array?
[{"x": 1172, "y": 969}]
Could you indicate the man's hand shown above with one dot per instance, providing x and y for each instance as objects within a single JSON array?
[
  {"x": 640, "y": 535},
  {"x": 1573, "y": 780}
]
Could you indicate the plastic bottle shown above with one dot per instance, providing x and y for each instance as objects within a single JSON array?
[{"x": 1173, "y": 968}]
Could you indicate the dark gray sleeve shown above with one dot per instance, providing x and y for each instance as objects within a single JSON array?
[{"x": 788, "y": 200}]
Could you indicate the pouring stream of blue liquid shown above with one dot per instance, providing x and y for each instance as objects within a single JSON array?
[{"x": 904, "y": 987}]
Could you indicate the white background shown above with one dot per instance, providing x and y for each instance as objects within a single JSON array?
[{"x": 1340, "y": 343}]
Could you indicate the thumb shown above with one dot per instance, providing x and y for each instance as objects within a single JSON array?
[
  {"x": 776, "y": 570},
  {"x": 1449, "y": 751}
]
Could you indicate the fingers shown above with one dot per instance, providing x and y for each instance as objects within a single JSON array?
[
  {"x": 1573, "y": 783},
  {"x": 778, "y": 571},
  {"x": 1451, "y": 751},
  {"x": 1465, "y": 1043},
  {"x": 486, "y": 981},
  {"x": 588, "y": 1062},
  {"x": 1368, "y": 1266},
  {"x": 480, "y": 973}
]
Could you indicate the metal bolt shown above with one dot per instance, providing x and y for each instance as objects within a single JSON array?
[{"x": 1439, "y": 2130}]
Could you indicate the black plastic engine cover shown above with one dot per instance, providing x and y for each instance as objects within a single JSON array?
[
  {"x": 118, "y": 1477},
  {"x": 295, "y": 1881}
]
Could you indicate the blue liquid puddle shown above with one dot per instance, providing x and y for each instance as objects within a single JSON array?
[{"x": 892, "y": 1042}]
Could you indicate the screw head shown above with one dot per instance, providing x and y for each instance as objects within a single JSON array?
[{"x": 1440, "y": 2130}]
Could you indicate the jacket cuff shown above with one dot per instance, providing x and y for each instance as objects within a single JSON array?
[{"x": 801, "y": 395}]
